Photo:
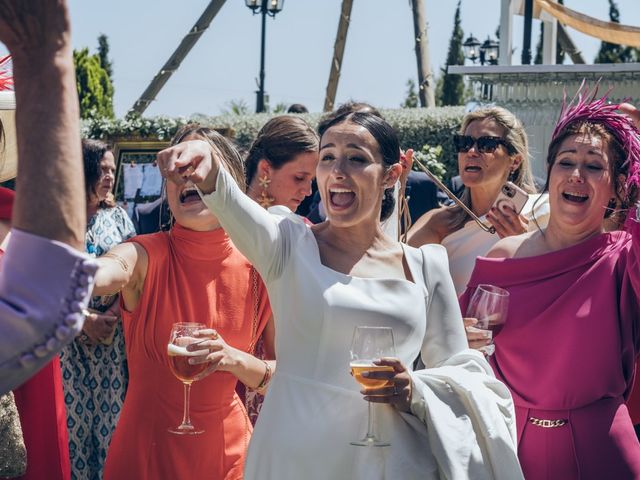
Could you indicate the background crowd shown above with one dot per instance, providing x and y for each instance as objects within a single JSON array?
[{"x": 280, "y": 284}]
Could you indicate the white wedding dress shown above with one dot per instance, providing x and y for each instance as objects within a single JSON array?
[{"x": 313, "y": 407}]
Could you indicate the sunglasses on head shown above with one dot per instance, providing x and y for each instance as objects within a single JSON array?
[{"x": 486, "y": 144}]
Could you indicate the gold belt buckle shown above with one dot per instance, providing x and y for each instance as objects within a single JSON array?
[{"x": 538, "y": 422}]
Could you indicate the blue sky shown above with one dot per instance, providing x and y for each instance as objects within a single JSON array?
[{"x": 224, "y": 65}]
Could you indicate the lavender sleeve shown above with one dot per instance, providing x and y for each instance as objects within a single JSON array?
[{"x": 44, "y": 286}]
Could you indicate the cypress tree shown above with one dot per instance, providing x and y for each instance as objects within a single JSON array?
[{"x": 453, "y": 86}]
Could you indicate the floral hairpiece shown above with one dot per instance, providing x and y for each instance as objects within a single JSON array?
[
  {"x": 584, "y": 107},
  {"x": 6, "y": 73}
]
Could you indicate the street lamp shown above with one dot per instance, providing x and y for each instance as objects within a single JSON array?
[
  {"x": 471, "y": 48},
  {"x": 263, "y": 7},
  {"x": 487, "y": 52}
]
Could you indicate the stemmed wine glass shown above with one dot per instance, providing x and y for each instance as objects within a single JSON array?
[
  {"x": 369, "y": 344},
  {"x": 183, "y": 335},
  {"x": 489, "y": 305}
]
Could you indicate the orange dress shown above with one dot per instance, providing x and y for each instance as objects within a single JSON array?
[{"x": 192, "y": 277}]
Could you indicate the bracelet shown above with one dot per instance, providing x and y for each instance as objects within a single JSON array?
[
  {"x": 124, "y": 265},
  {"x": 266, "y": 378}
]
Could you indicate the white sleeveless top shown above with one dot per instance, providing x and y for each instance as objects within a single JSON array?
[{"x": 465, "y": 245}]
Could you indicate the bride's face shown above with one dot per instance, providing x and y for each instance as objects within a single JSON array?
[{"x": 351, "y": 174}]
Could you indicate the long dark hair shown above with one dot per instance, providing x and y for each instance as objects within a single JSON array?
[
  {"x": 388, "y": 145},
  {"x": 92, "y": 153}
]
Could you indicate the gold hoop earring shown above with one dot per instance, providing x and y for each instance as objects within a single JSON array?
[{"x": 265, "y": 200}]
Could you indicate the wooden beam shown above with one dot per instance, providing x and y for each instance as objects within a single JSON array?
[
  {"x": 177, "y": 57},
  {"x": 338, "y": 53}
]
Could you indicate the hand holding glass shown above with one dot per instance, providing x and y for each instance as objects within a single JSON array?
[
  {"x": 489, "y": 305},
  {"x": 183, "y": 335},
  {"x": 370, "y": 344}
]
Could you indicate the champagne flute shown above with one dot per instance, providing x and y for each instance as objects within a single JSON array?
[
  {"x": 182, "y": 335},
  {"x": 370, "y": 344},
  {"x": 489, "y": 305}
]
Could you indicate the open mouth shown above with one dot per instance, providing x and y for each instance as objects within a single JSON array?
[
  {"x": 341, "y": 197},
  {"x": 472, "y": 168},
  {"x": 189, "y": 195},
  {"x": 575, "y": 197}
]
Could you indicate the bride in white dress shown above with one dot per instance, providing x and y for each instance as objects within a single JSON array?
[{"x": 451, "y": 419}]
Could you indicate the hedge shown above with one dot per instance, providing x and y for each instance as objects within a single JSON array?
[{"x": 416, "y": 127}]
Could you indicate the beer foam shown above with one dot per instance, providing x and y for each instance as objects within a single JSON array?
[{"x": 177, "y": 351}]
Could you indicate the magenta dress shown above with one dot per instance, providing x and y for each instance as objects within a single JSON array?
[{"x": 567, "y": 353}]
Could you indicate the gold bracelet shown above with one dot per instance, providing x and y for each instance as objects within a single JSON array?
[
  {"x": 121, "y": 261},
  {"x": 266, "y": 378}
]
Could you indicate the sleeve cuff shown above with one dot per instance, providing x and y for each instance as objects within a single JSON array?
[{"x": 44, "y": 287}]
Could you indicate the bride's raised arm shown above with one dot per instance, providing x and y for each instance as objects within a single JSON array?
[{"x": 259, "y": 235}]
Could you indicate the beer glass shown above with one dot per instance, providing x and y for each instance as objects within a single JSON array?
[
  {"x": 489, "y": 305},
  {"x": 369, "y": 344},
  {"x": 182, "y": 335}
]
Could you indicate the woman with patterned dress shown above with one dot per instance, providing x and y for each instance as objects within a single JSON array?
[
  {"x": 94, "y": 366},
  {"x": 191, "y": 273}
]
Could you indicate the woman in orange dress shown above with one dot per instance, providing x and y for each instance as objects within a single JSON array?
[{"x": 193, "y": 273}]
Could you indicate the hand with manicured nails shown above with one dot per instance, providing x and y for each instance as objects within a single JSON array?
[
  {"x": 194, "y": 161},
  {"x": 398, "y": 390},
  {"x": 476, "y": 337},
  {"x": 507, "y": 222}
]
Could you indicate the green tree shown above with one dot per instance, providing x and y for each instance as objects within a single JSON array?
[
  {"x": 95, "y": 90},
  {"x": 411, "y": 100},
  {"x": 103, "y": 53},
  {"x": 453, "y": 86},
  {"x": 611, "y": 52}
]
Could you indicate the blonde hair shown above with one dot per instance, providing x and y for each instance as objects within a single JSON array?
[{"x": 515, "y": 135}]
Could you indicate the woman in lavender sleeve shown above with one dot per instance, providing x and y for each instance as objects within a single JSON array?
[
  {"x": 45, "y": 280},
  {"x": 569, "y": 345}
]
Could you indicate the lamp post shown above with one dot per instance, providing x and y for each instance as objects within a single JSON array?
[
  {"x": 471, "y": 48},
  {"x": 486, "y": 52},
  {"x": 264, "y": 8}
]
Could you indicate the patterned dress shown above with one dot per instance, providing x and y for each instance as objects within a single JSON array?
[{"x": 95, "y": 376}]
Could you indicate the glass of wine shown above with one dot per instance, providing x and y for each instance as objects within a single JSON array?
[
  {"x": 369, "y": 344},
  {"x": 183, "y": 335},
  {"x": 489, "y": 305}
]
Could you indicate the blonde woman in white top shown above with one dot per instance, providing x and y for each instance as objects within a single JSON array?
[{"x": 492, "y": 149}]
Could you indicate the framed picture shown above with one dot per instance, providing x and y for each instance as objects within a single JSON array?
[{"x": 138, "y": 178}]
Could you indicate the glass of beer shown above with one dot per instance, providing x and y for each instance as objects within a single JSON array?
[
  {"x": 370, "y": 344},
  {"x": 489, "y": 305},
  {"x": 183, "y": 335}
]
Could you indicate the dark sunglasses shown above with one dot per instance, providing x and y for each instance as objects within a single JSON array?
[{"x": 487, "y": 144}]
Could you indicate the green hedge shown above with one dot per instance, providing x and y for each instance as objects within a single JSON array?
[{"x": 416, "y": 127}]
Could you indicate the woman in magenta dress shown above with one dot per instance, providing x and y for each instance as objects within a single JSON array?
[{"x": 568, "y": 349}]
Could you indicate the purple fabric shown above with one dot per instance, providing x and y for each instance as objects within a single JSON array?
[
  {"x": 568, "y": 350},
  {"x": 44, "y": 286}
]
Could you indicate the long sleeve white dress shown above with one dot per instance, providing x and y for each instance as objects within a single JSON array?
[{"x": 313, "y": 407}]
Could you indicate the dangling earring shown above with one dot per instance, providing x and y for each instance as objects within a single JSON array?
[
  {"x": 265, "y": 200},
  {"x": 512, "y": 175}
]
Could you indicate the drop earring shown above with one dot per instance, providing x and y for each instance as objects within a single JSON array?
[{"x": 265, "y": 200}]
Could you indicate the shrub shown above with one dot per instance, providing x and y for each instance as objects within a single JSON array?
[{"x": 416, "y": 127}]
